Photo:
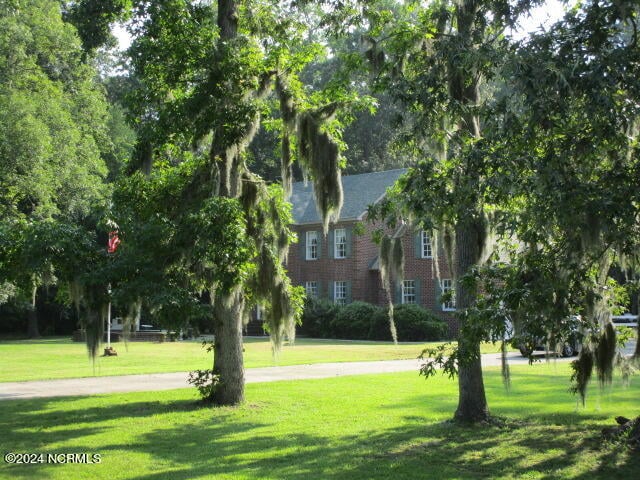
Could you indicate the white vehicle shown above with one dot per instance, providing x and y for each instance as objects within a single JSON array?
[
  {"x": 567, "y": 347},
  {"x": 626, "y": 320}
]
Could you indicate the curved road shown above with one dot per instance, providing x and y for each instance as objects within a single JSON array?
[{"x": 170, "y": 381}]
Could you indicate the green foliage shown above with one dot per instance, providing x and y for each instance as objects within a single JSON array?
[
  {"x": 93, "y": 19},
  {"x": 53, "y": 117},
  {"x": 54, "y": 140},
  {"x": 354, "y": 321},
  {"x": 568, "y": 141},
  {"x": 55, "y": 252},
  {"x": 443, "y": 358},
  {"x": 204, "y": 78},
  {"x": 415, "y": 323},
  {"x": 205, "y": 382},
  {"x": 577, "y": 146},
  {"x": 554, "y": 165},
  {"x": 175, "y": 243},
  {"x": 42, "y": 251},
  {"x": 123, "y": 139},
  {"x": 316, "y": 318},
  {"x": 364, "y": 321}
]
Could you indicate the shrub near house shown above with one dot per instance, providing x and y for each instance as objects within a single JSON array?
[{"x": 364, "y": 321}]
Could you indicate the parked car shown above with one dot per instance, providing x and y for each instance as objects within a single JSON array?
[
  {"x": 626, "y": 320},
  {"x": 567, "y": 348}
]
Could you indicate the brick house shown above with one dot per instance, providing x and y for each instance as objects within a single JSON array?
[{"x": 343, "y": 265}]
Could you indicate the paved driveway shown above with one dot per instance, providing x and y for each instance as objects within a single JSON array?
[{"x": 170, "y": 381}]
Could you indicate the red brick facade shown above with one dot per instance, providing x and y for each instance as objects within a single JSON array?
[
  {"x": 357, "y": 277},
  {"x": 356, "y": 270}
]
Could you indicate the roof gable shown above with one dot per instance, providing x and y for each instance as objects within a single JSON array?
[{"x": 360, "y": 191}]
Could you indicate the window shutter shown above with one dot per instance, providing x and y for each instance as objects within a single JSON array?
[
  {"x": 398, "y": 293},
  {"x": 437, "y": 288},
  {"x": 417, "y": 244},
  {"x": 349, "y": 297},
  {"x": 418, "y": 284},
  {"x": 319, "y": 289},
  {"x": 331, "y": 291},
  {"x": 349, "y": 236},
  {"x": 303, "y": 245},
  {"x": 331, "y": 244},
  {"x": 319, "y": 246}
]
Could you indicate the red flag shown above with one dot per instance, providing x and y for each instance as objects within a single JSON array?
[{"x": 113, "y": 243}]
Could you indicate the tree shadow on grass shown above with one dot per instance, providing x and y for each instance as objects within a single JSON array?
[
  {"x": 438, "y": 451},
  {"x": 32, "y": 426},
  {"x": 228, "y": 442},
  {"x": 28, "y": 412}
]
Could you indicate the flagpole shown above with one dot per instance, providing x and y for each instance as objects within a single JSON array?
[
  {"x": 109, "y": 320},
  {"x": 112, "y": 246}
]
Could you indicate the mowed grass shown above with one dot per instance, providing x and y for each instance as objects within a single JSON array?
[
  {"x": 23, "y": 360},
  {"x": 391, "y": 426}
]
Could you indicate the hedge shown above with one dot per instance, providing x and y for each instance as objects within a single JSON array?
[{"x": 364, "y": 321}]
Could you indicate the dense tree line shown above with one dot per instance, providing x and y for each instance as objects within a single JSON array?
[{"x": 60, "y": 143}]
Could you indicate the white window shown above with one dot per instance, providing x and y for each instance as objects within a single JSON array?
[
  {"x": 409, "y": 291},
  {"x": 447, "y": 286},
  {"x": 312, "y": 245},
  {"x": 340, "y": 243},
  {"x": 340, "y": 293},
  {"x": 312, "y": 289},
  {"x": 426, "y": 244}
]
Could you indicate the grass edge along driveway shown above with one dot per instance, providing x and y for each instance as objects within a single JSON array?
[{"x": 54, "y": 358}]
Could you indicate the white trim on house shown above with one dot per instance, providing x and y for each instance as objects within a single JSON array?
[
  {"x": 426, "y": 246},
  {"x": 446, "y": 285},
  {"x": 340, "y": 292},
  {"x": 312, "y": 244},
  {"x": 409, "y": 293},
  {"x": 340, "y": 243},
  {"x": 311, "y": 289}
]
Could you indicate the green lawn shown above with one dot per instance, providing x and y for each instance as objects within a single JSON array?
[
  {"x": 390, "y": 426},
  {"x": 62, "y": 358}
]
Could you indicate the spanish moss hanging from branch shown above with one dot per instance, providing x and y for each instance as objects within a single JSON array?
[
  {"x": 91, "y": 303},
  {"x": 582, "y": 371},
  {"x": 320, "y": 160},
  {"x": 318, "y": 151},
  {"x": 288, "y": 112},
  {"x": 605, "y": 355},
  {"x": 391, "y": 269},
  {"x": 268, "y": 220}
]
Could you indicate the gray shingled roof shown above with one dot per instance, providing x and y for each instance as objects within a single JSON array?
[{"x": 360, "y": 191}]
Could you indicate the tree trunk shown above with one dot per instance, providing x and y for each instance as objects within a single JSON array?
[
  {"x": 32, "y": 316},
  {"x": 470, "y": 236},
  {"x": 228, "y": 19},
  {"x": 228, "y": 361},
  {"x": 147, "y": 158},
  {"x": 472, "y": 401}
]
